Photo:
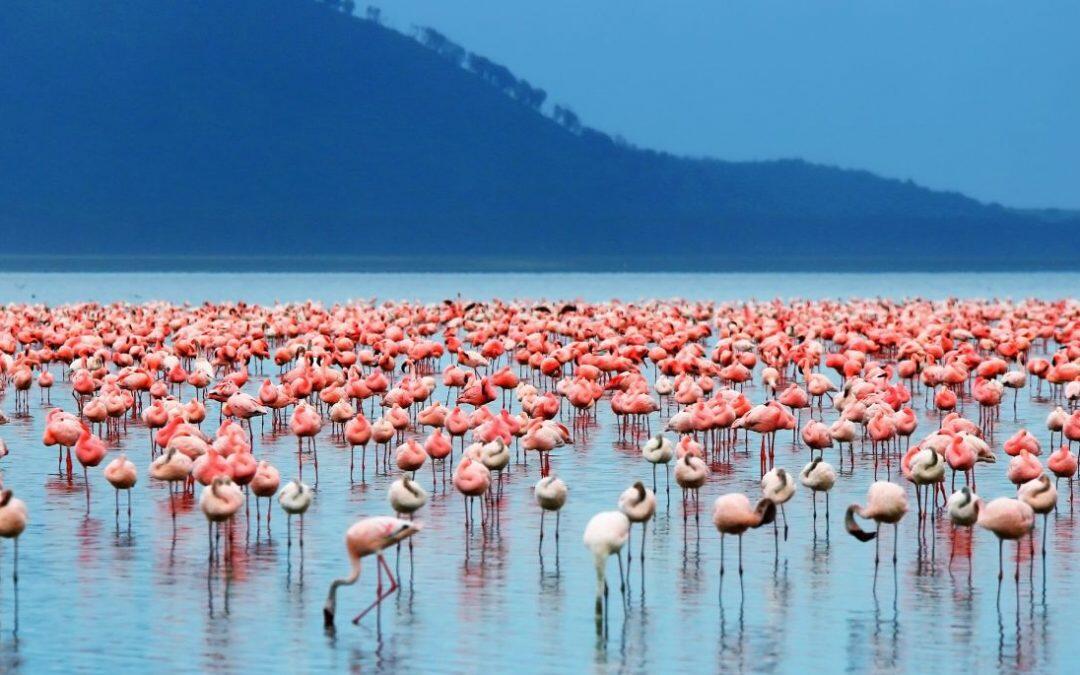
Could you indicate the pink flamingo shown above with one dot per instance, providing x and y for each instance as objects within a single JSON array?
[
  {"x": 438, "y": 448},
  {"x": 62, "y": 429},
  {"x": 410, "y": 456},
  {"x": 306, "y": 423},
  {"x": 1008, "y": 519},
  {"x": 358, "y": 432},
  {"x": 172, "y": 466},
  {"x": 264, "y": 483},
  {"x": 1024, "y": 467},
  {"x": 122, "y": 475},
  {"x": 89, "y": 450},
  {"x": 732, "y": 514},
  {"x": 219, "y": 502},
  {"x": 366, "y": 537},
  {"x": 961, "y": 457},
  {"x": 472, "y": 479},
  {"x": 1062, "y": 463},
  {"x": 13, "y": 518},
  {"x": 885, "y": 503}
]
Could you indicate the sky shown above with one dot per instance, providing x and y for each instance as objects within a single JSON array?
[{"x": 981, "y": 97}]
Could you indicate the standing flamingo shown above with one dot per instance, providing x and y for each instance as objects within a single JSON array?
[
  {"x": 885, "y": 503},
  {"x": 963, "y": 508},
  {"x": 819, "y": 476},
  {"x": 550, "y": 493},
  {"x": 122, "y": 475},
  {"x": 1008, "y": 519},
  {"x": 358, "y": 432},
  {"x": 777, "y": 486},
  {"x": 472, "y": 479},
  {"x": 1041, "y": 495},
  {"x": 13, "y": 519},
  {"x": 605, "y": 536},
  {"x": 406, "y": 496},
  {"x": 306, "y": 423},
  {"x": 295, "y": 499},
  {"x": 368, "y": 536},
  {"x": 1062, "y": 464},
  {"x": 219, "y": 502},
  {"x": 691, "y": 472},
  {"x": 172, "y": 466},
  {"x": 62, "y": 429},
  {"x": 638, "y": 504},
  {"x": 89, "y": 450},
  {"x": 659, "y": 450},
  {"x": 732, "y": 514},
  {"x": 264, "y": 484}
]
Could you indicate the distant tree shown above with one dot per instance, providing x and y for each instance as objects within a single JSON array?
[
  {"x": 529, "y": 95},
  {"x": 493, "y": 73},
  {"x": 568, "y": 118},
  {"x": 348, "y": 6},
  {"x": 373, "y": 14},
  {"x": 441, "y": 45},
  {"x": 497, "y": 74}
]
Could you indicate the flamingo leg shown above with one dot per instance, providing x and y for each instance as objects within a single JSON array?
[{"x": 380, "y": 595}]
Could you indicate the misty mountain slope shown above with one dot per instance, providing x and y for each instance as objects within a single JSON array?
[{"x": 283, "y": 127}]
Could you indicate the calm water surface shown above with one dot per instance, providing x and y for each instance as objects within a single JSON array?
[{"x": 98, "y": 593}]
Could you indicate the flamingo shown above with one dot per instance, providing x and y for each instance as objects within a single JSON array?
[
  {"x": 732, "y": 514},
  {"x": 1008, "y": 519},
  {"x": 89, "y": 450},
  {"x": 658, "y": 450},
  {"x": 550, "y": 493},
  {"x": 13, "y": 518},
  {"x": 366, "y": 537},
  {"x": 172, "y": 467},
  {"x": 306, "y": 423},
  {"x": 926, "y": 469},
  {"x": 691, "y": 472},
  {"x": 777, "y": 486},
  {"x": 264, "y": 483},
  {"x": 1041, "y": 495},
  {"x": 472, "y": 479},
  {"x": 358, "y": 432},
  {"x": 295, "y": 499},
  {"x": 638, "y": 504},
  {"x": 818, "y": 476},
  {"x": 219, "y": 502},
  {"x": 605, "y": 535},
  {"x": 1062, "y": 463},
  {"x": 963, "y": 508},
  {"x": 122, "y": 475},
  {"x": 406, "y": 496},
  {"x": 885, "y": 503}
]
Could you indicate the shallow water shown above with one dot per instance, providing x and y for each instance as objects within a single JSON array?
[
  {"x": 97, "y": 593},
  {"x": 267, "y": 287}
]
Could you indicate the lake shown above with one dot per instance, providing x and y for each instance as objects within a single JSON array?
[{"x": 99, "y": 593}]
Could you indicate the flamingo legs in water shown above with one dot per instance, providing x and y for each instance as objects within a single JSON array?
[{"x": 379, "y": 594}]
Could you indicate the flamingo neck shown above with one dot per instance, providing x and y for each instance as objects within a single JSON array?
[{"x": 331, "y": 598}]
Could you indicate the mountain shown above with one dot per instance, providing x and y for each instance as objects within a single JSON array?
[{"x": 222, "y": 129}]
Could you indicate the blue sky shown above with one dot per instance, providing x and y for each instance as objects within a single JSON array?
[{"x": 981, "y": 97}]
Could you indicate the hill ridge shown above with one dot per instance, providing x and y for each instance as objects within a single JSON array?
[{"x": 278, "y": 128}]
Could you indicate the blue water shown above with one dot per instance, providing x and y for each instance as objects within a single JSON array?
[
  {"x": 97, "y": 594},
  {"x": 265, "y": 287}
]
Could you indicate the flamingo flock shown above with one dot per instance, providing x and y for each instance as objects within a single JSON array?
[{"x": 472, "y": 389}]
